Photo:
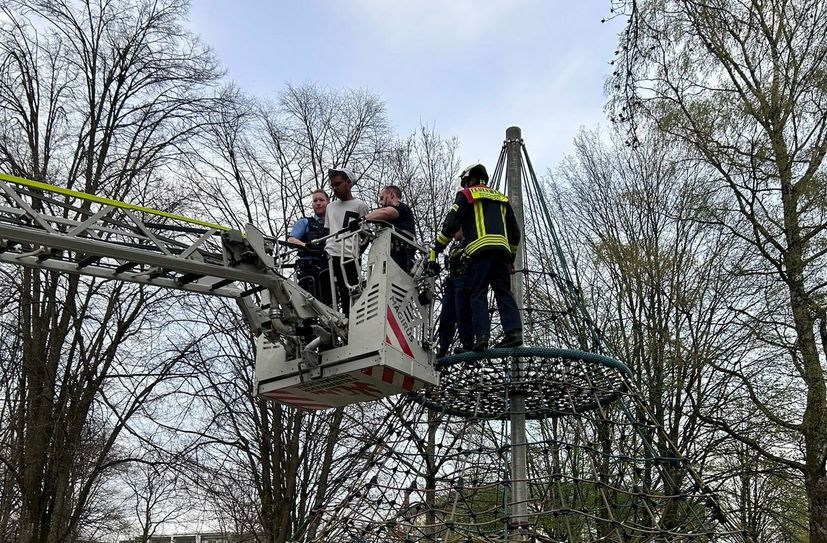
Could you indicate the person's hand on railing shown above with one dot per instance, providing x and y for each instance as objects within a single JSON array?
[
  {"x": 315, "y": 246},
  {"x": 432, "y": 268},
  {"x": 355, "y": 224}
]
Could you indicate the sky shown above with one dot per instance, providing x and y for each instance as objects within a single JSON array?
[{"x": 468, "y": 68}]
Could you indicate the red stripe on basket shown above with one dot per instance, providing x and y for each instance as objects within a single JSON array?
[{"x": 397, "y": 331}]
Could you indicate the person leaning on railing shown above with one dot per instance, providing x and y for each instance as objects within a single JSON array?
[{"x": 399, "y": 215}]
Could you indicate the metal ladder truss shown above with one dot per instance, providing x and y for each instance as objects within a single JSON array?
[{"x": 70, "y": 232}]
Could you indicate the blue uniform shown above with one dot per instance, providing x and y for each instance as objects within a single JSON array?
[
  {"x": 455, "y": 305},
  {"x": 311, "y": 266}
]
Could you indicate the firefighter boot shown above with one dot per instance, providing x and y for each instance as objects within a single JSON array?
[
  {"x": 480, "y": 343},
  {"x": 513, "y": 338}
]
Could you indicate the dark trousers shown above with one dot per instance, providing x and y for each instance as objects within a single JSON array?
[
  {"x": 314, "y": 277},
  {"x": 491, "y": 268},
  {"x": 456, "y": 307},
  {"x": 342, "y": 292}
]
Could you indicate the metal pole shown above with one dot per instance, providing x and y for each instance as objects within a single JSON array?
[{"x": 519, "y": 477}]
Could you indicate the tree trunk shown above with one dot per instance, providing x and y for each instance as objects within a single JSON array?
[
  {"x": 324, "y": 476},
  {"x": 816, "y": 485},
  {"x": 430, "y": 476},
  {"x": 814, "y": 424}
]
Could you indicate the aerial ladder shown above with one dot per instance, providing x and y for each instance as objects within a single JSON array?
[{"x": 308, "y": 354}]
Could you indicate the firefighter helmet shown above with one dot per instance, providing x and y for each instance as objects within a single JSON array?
[{"x": 474, "y": 171}]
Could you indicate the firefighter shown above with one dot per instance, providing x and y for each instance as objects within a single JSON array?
[
  {"x": 491, "y": 237},
  {"x": 455, "y": 303},
  {"x": 311, "y": 266}
]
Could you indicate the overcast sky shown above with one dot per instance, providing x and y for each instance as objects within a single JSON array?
[{"x": 470, "y": 68}]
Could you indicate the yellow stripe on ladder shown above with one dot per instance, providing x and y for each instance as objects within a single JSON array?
[{"x": 106, "y": 201}]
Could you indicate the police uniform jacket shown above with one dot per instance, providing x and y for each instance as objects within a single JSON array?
[{"x": 314, "y": 230}]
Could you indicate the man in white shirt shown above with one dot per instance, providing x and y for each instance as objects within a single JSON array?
[{"x": 340, "y": 213}]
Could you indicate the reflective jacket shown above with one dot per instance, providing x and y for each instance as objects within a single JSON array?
[{"x": 487, "y": 220}]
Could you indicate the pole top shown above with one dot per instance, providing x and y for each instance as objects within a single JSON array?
[{"x": 513, "y": 133}]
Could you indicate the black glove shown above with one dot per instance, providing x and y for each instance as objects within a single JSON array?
[
  {"x": 354, "y": 224},
  {"x": 315, "y": 245},
  {"x": 432, "y": 268},
  {"x": 425, "y": 297}
]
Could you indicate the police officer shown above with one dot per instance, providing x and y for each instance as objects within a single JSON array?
[
  {"x": 491, "y": 239},
  {"x": 311, "y": 265}
]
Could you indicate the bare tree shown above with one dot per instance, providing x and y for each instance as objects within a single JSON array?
[
  {"x": 268, "y": 466},
  {"x": 270, "y": 471},
  {"x": 156, "y": 495},
  {"x": 112, "y": 98},
  {"x": 741, "y": 84},
  {"x": 425, "y": 166},
  {"x": 97, "y": 96},
  {"x": 259, "y": 160},
  {"x": 310, "y": 129},
  {"x": 655, "y": 272},
  {"x": 228, "y": 167},
  {"x": 766, "y": 499}
]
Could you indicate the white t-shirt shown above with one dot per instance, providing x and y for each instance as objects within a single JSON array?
[{"x": 339, "y": 214}]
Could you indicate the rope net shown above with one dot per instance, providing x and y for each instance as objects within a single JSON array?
[
  {"x": 592, "y": 476},
  {"x": 552, "y": 382},
  {"x": 598, "y": 466}
]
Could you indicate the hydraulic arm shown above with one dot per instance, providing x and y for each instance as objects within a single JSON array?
[
  {"x": 51, "y": 228},
  {"x": 308, "y": 354}
]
